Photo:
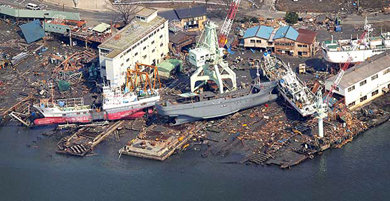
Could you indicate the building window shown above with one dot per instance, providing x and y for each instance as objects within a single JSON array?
[
  {"x": 127, "y": 60},
  {"x": 337, "y": 88},
  {"x": 153, "y": 50},
  {"x": 351, "y": 88},
  {"x": 386, "y": 71},
  {"x": 128, "y": 50},
  {"x": 152, "y": 42},
  {"x": 144, "y": 56},
  {"x": 161, "y": 36},
  {"x": 374, "y": 93},
  {"x": 374, "y": 77},
  {"x": 363, "y": 82},
  {"x": 253, "y": 41},
  {"x": 304, "y": 53},
  {"x": 351, "y": 104},
  {"x": 104, "y": 51},
  {"x": 122, "y": 64},
  {"x": 363, "y": 98},
  {"x": 258, "y": 41},
  {"x": 144, "y": 48},
  {"x": 136, "y": 54},
  {"x": 161, "y": 55},
  {"x": 161, "y": 44}
]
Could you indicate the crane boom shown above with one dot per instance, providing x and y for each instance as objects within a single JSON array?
[
  {"x": 342, "y": 70},
  {"x": 227, "y": 24}
]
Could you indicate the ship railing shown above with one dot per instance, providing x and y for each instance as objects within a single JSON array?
[
  {"x": 80, "y": 107},
  {"x": 70, "y": 102}
]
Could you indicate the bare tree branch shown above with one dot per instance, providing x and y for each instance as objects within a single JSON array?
[{"x": 126, "y": 11}]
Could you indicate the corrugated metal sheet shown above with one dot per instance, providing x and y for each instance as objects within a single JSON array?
[
  {"x": 101, "y": 27},
  {"x": 286, "y": 32},
  {"x": 259, "y": 31},
  {"x": 251, "y": 32},
  {"x": 32, "y": 31},
  {"x": 264, "y": 32},
  {"x": 8, "y": 11},
  {"x": 306, "y": 36},
  {"x": 56, "y": 28},
  {"x": 48, "y": 14}
]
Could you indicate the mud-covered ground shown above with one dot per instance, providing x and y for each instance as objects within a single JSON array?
[{"x": 328, "y": 5}]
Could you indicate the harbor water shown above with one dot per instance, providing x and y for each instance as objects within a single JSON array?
[{"x": 30, "y": 170}]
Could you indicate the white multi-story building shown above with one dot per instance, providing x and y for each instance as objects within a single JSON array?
[
  {"x": 364, "y": 82},
  {"x": 144, "y": 40}
]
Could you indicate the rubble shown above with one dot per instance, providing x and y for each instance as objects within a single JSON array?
[{"x": 272, "y": 134}]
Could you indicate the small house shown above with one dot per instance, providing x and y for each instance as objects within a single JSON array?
[
  {"x": 258, "y": 37},
  {"x": 189, "y": 19},
  {"x": 305, "y": 43},
  {"x": 284, "y": 40}
]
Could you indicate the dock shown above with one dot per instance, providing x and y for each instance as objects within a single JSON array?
[{"x": 86, "y": 138}]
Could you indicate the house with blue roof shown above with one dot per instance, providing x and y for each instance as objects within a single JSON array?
[
  {"x": 258, "y": 37},
  {"x": 284, "y": 40}
]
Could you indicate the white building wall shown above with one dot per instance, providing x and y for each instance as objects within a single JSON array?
[
  {"x": 353, "y": 97},
  {"x": 152, "y": 48}
]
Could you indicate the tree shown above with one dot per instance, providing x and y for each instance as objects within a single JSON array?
[
  {"x": 126, "y": 11},
  {"x": 291, "y": 17}
]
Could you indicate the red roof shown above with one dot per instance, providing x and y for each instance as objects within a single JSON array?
[{"x": 306, "y": 36}]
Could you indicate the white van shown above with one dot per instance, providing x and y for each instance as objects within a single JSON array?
[{"x": 32, "y": 6}]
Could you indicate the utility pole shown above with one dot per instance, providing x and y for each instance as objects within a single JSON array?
[{"x": 70, "y": 37}]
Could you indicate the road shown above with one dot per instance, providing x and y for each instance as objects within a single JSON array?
[
  {"x": 356, "y": 19},
  {"x": 92, "y": 17}
]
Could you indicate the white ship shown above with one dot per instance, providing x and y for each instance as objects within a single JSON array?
[
  {"x": 117, "y": 104},
  {"x": 338, "y": 51},
  {"x": 289, "y": 85}
]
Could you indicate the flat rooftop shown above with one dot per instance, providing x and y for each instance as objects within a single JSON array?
[
  {"x": 146, "y": 12},
  {"x": 364, "y": 70},
  {"x": 130, "y": 35}
]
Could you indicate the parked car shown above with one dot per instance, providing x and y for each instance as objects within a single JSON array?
[{"x": 32, "y": 6}]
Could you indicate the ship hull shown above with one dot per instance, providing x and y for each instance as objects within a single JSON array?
[
  {"x": 131, "y": 110},
  {"x": 61, "y": 120},
  {"x": 183, "y": 113},
  {"x": 342, "y": 56}
]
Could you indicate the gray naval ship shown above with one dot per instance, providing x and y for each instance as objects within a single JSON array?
[
  {"x": 190, "y": 107},
  {"x": 214, "y": 91}
]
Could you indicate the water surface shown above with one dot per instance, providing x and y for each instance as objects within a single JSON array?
[{"x": 30, "y": 170}]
